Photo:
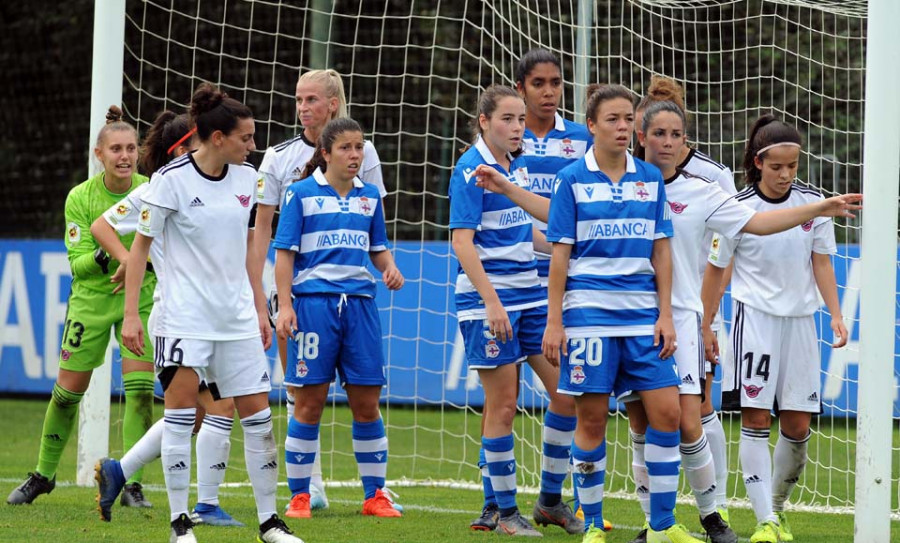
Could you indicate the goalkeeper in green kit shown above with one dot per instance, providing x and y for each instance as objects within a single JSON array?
[{"x": 94, "y": 308}]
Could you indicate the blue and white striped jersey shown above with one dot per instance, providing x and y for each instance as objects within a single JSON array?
[
  {"x": 332, "y": 236},
  {"x": 545, "y": 157},
  {"x": 611, "y": 285},
  {"x": 503, "y": 237}
]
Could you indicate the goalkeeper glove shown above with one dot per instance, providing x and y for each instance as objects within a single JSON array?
[{"x": 101, "y": 257}]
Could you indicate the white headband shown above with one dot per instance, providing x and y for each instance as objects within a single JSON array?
[{"x": 766, "y": 148}]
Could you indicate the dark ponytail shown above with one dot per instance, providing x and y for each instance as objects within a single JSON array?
[
  {"x": 167, "y": 130},
  {"x": 211, "y": 110}
]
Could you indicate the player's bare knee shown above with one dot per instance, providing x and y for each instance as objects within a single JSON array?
[{"x": 756, "y": 418}]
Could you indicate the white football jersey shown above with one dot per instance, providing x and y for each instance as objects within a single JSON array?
[
  {"x": 123, "y": 217},
  {"x": 697, "y": 205},
  {"x": 203, "y": 223},
  {"x": 700, "y": 164},
  {"x": 283, "y": 164},
  {"x": 774, "y": 273}
]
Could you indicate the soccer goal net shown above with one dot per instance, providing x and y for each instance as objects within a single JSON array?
[{"x": 412, "y": 72}]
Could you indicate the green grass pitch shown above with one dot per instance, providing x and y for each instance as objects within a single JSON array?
[{"x": 68, "y": 515}]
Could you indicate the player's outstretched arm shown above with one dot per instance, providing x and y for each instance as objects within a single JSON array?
[
  {"x": 390, "y": 274},
  {"x": 488, "y": 178},
  {"x": 779, "y": 220}
]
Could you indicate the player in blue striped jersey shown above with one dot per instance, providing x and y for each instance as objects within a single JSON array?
[
  {"x": 500, "y": 304},
  {"x": 612, "y": 299},
  {"x": 331, "y": 225},
  {"x": 549, "y": 144}
]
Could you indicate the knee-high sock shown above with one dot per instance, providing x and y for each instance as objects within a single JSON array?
[
  {"x": 663, "y": 462},
  {"x": 59, "y": 422},
  {"x": 639, "y": 470},
  {"x": 557, "y": 436},
  {"x": 756, "y": 465},
  {"x": 176, "y": 457},
  {"x": 715, "y": 434},
  {"x": 146, "y": 450},
  {"x": 370, "y": 446},
  {"x": 213, "y": 448},
  {"x": 315, "y": 478},
  {"x": 489, "y": 497},
  {"x": 300, "y": 451},
  {"x": 589, "y": 475},
  {"x": 138, "y": 411},
  {"x": 261, "y": 458},
  {"x": 700, "y": 473},
  {"x": 501, "y": 463},
  {"x": 789, "y": 461}
]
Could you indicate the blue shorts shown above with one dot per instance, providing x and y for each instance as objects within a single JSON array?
[
  {"x": 335, "y": 332},
  {"x": 484, "y": 351},
  {"x": 620, "y": 365}
]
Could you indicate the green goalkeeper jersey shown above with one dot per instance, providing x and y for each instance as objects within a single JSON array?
[{"x": 85, "y": 202}]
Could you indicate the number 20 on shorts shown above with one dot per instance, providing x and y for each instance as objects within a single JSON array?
[{"x": 585, "y": 351}]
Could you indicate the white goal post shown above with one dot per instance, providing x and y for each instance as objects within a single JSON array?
[{"x": 412, "y": 71}]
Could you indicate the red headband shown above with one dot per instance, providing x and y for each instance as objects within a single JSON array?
[{"x": 183, "y": 139}]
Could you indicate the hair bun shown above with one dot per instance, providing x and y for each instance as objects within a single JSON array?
[
  {"x": 206, "y": 98},
  {"x": 666, "y": 89},
  {"x": 114, "y": 114}
]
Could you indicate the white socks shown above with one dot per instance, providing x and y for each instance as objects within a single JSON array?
[
  {"x": 213, "y": 447},
  {"x": 176, "y": 457}
]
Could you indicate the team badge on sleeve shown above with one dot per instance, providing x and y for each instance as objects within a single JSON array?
[
  {"x": 73, "y": 233},
  {"x": 123, "y": 209},
  {"x": 714, "y": 248},
  {"x": 260, "y": 187},
  {"x": 144, "y": 221}
]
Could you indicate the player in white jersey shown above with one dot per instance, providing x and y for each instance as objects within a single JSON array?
[
  {"x": 320, "y": 98},
  {"x": 695, "y": 162},
  {"x": 697, "y": 205},
  {"x": 211, "y": 320},
  {"x": 170, "y": 136},
  {"x": 774, "y": 344},
  {"x": 500, "y": 304}
]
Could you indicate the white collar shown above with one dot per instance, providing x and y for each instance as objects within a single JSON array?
[
  {"x": 560, "y": 123},
  {"x": 592, "y": 166},
  {"x": 320, "y": 179},
  {"x": 486, "y": 153}
]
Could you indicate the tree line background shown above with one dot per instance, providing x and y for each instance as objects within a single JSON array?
[{"x": 413, "y": 70}]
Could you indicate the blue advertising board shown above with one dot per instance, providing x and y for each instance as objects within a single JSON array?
[{"x": 426, "y": 364}]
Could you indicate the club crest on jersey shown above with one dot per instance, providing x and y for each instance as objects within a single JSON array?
[
  {"x": 677, "y": 207},
  {"x": 752, "y": 390},
  {"x": 577, "y": 376},
  {"x": 122, "y": 209},
  {"x": 520, "y": 177},
  {"x": 244, "y": 199},
  {"x": 366, "y": 207},
  {"x": 73, "y": 233},
  {"x": 492, "y": 350},
  {"x": 567, "y": 150},
  {"x": 302, "y": 369},
  {"x": 640, "y": 191},
  {"x": 807, "y": 226}
]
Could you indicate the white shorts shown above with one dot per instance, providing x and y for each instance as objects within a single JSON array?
[
  {"x": 689, "y": 354},
  {"x": 230, "y": 368},
  {"x": 775, "y": 359}
]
